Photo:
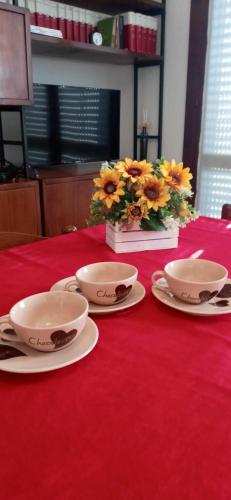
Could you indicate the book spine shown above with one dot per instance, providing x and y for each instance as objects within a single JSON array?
[
  {"x": 76, "y": 24},
  {"x": 61, "y": 19},
  {"x": 30, "y": 4},
  {"x": 129, "y": 31},
  {"x": 69, "y": 23},
  {"x": 52, "y": 6},
  {"x": 82, "y": 26},
  {"x": 154, "y": 26},
  {"x": 121, "y": 32},
  {"x": 146, "y": 24},
  {"x": 138, "y": 33}
]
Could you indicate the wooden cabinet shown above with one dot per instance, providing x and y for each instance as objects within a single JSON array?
[
  {"x": 15, "y": 56},
  {"x": 66, "y": 195},
  {"x": 20, "y": 207}
]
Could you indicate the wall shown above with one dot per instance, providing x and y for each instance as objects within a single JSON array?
[{"x": 176, "y": 60}]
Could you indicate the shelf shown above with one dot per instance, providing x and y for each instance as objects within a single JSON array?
[
  {"x": 47, "y": 45},
  {"x": 117, "y": 6}
]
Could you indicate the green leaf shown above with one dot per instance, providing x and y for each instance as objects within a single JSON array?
[{"x": 152, "y": 224}]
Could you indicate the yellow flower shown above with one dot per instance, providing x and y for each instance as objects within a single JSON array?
[
  {"x": 176, "y": 176},
  {"x": 184, "y": 210},
  {"x": 110, "y": 187},
  {"x": 154, "y": 192},
  {"x": 135, "y": 211},
  {"x": 134, "y": 170}
]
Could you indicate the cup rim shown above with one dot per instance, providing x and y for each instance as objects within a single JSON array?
[
  {"x": 197, "y": 282},
  {"x": 58, "y": 325},
  {"x": 134, "y": 268}
]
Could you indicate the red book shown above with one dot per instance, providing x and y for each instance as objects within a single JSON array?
[
  {"x": 69, "y": 29},
  {"x": 82, "y": 32},
  {"x": 138, "y": 39},
  {"x": 129, "y": 37},
  {"x": 149, "y": 41},
  {"x": 76, "y": 34},
  {"x": 54, "y": 23},
  {"x": 89, "y": 29},
  {"x": 33, "y": 18},
  {"x": 41, "y": 19},
  {"x": 129, "y": 31},
  {"x": 62, "y": 26}
]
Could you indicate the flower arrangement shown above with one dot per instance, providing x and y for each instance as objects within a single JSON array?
[{"x": 153, "y": 194}]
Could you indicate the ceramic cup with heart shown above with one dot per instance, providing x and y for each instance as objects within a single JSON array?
[
  {"x": 192, "y": 280},
  {"x": 105, "y": 283},
  {"x": 46, "y": 321}
]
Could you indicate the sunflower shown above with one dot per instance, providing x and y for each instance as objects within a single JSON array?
[
  {"x": 134, "y": 170},
  {"x": 176, "y": 176},
  {"x": 110, "y": 187},
  {"x": 154, "y": 192},
  {"x": 135, "y": 211}
]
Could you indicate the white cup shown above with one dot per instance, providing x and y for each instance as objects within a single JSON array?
[
  {"x": 105, "y": 283},
  {"x": 192, "y": 280},
  {"x": 46, "y": 321}
]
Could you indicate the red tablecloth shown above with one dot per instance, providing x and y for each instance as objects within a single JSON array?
[{"x": 147, "y": 415}]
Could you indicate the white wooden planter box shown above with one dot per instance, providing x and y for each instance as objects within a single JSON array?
[{"x": 131, "y": 238}]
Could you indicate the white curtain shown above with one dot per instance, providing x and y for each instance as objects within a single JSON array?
[{"x": 214, "y": 168}]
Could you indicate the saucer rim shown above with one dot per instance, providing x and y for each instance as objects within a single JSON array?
[
  {"x": 6, "y": 364},
  {"x": 186, "y": 308},
  {"x": 100, "y": 309}
]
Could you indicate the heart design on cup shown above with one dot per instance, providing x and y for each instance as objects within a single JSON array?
[
  {"x": 206, "y": 295},
  {"x": 122, "y": 291},
  {"x": 61, "y": 338}
]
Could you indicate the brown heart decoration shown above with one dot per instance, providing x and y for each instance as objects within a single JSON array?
[
  {"x": 61, "y": 338},
  {"x": 122, "y": 291},
  {"x": 225, "y": 292},
  {"x": 206, "y": 295},
  {"x": 8, "y": 351}
]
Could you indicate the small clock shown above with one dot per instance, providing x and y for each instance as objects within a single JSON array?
[{"x": 96, "y": 38}]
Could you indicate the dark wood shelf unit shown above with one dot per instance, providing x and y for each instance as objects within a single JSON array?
[
  {"x": 47, "y": 45},
  {"x": 148, "y": 7}
]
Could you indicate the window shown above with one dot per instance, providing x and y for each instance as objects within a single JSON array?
[{"x": 214, "y": 168}]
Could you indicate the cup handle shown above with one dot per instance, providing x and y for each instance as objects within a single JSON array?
[
  {"x": 70, "y": 284},
  {"x": 163, "y": 288},
  {"x": 10, "y": 337}
]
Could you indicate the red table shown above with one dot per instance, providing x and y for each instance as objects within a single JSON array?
[{"x": 147, "y": 415}]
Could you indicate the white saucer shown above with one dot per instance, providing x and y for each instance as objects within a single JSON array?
[
  {"x": 37, "y": 361},
  {"x": 136, "y": 295},
  {"x": 205, "y": 309}
]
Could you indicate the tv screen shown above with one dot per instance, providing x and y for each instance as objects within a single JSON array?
[{"x": 72, "y": 124}]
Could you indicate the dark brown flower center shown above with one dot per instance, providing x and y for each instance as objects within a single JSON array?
[
  {"x": 175, "y": 178},
  {"x": 136, "y": 212},
  {"x": 109, "y": 187},
  {"x": 151, "y": 192},
  {"x": 135, "y": 172}
]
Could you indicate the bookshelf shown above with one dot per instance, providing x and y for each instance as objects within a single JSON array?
[{"x": 46, "y": 45}]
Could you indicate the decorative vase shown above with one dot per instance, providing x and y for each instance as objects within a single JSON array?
[{"x": 131, "y": 238}]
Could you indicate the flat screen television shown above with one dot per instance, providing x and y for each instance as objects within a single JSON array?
[{"x": 67, "y": 125}]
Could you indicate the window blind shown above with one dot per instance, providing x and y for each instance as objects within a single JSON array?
[{"x": 214, "y": 167}]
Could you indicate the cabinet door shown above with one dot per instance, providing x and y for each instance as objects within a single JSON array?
[
  {"x": 15, "y": 56},
  {"x": 60, "y": 205},
  {"x": 20, "y": 207},
  {"x": 65, "y": 204}
]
